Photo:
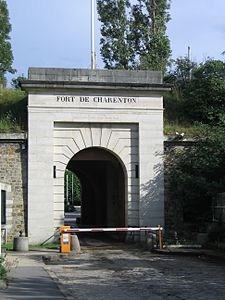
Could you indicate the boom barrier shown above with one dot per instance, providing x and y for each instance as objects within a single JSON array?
[
  {"x": 120, "y": 229},
  {"x": 66, "y": 231}
]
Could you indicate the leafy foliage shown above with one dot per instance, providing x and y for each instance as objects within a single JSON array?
[
  {"x": 74, "y": 189},
  {"x": 179, "y": 76},
  {"x": 133, "y": 34},
  {"x": 199, "y": 98},
  {"x": 197, "y": 174},
  {"x": 181, "y": 71},
  {"x": 6, "y": 55},
  {"x": 16, "y": 81},
  {"x": 148, "y": 39},
  {"x": 205, "y": 94},
  {"x": 115, "y": 48},
  {"x": 3, "y": 271}
]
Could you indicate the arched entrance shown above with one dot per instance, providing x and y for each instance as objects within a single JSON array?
[
  {"x": 82, "y": 114},
  {"x": 103, "y": 197}
]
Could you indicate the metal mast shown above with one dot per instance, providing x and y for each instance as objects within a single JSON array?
[
  {"x": 189, "y": 61},
  {"x": 93, "y": 54}
]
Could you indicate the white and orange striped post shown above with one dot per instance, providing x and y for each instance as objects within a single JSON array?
[{"x": 160, "y": 237}]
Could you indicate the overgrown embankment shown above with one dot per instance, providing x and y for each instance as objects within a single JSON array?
[{"x": 13, "y": 110}]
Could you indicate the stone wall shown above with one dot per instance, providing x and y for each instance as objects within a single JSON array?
[{"x": 13, "y": 172}]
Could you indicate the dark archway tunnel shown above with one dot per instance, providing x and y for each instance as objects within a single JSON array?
[{"x": 103, "y": 200}]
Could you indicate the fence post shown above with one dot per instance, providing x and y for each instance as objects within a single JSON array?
[{"x": 160, "y": 238}]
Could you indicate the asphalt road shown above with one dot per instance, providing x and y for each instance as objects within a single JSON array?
[{"x": 119, "y": 271}]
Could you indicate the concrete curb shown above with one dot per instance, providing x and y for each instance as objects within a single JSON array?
[{"x": 211, "y": 254}]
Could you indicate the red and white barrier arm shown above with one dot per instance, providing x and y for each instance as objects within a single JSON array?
[{"x": 120, "y": 229}]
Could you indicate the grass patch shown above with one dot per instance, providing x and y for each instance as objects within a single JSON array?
[
  {"x": 8, "y": 246},
  {"x": 170, "y": 128}
]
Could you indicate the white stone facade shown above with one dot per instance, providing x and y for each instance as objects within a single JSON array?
[
  {"x": 64, "y": 119},
  {"x": 120, "y": 139}
]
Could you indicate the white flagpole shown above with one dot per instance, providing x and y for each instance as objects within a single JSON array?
[{"x": 93, "y": 54}]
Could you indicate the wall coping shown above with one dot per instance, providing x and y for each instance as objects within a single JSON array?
[
  {"x": 86, "y": 79},
  {"x": 13, "y": 137},
  {"x": 16, "y": 137},
  {"x": 98, "y": 75}
]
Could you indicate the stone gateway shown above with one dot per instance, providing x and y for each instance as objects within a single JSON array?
[{"x": 107, "y": 127}]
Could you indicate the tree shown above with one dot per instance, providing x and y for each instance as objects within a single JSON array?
[
  {"x": 133, "y": 34},
  {"x": 180, "y": 74},
  {"x": 204, "y": 95},
  {"x": 197, "y": 174},
  {"x": 115, "y": 48},
  {"x": 181, "y": 71},
  {"x": 201, "y": 97},
  {"x": 148, "y": 34},
  {"x": 15, "y": 83},
  {"x": 6, "y": 55}
]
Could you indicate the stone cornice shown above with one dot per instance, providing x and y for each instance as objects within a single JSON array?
[
  {"x": 30, "y": 85},
  {"x": 85, "y": 79}
]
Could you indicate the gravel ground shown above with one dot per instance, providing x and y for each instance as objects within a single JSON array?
[{"x": 120, "y": 271}]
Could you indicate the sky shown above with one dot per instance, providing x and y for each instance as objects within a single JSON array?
[{"x": 56, "y": 33}]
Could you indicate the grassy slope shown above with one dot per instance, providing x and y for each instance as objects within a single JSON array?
[
  {"x": 13, "y": 114},
  {"x": 13, "y": 110}
]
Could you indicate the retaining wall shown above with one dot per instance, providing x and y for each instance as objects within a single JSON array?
[{"x": 13, "y": 172}]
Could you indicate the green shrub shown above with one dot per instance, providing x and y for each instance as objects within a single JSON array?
[
  {"x": 3, "y": 271},
  {"x": 197, "y": 174}
]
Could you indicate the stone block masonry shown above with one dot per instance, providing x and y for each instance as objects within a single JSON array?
[
  {"x": 80, "y": 111},
  {"x": 13, "y": 172}
]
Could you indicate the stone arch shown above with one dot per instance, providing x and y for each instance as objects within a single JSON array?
[{"x": 121, "y": 140}]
